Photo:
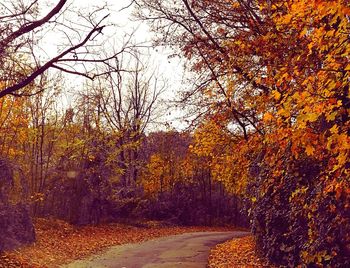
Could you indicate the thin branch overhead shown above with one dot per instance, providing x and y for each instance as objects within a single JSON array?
[{"x": 82, "y": 51}]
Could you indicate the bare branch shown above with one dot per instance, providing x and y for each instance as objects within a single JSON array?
[
  {"x": 31, "y": 26},
  {"x": 30, "y": 78}
]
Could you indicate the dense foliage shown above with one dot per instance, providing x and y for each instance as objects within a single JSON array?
[
  {"x": 80, "y": 170},
  {"x": 274, "y": 79}
]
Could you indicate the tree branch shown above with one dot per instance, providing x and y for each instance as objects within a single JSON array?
[
  {"x": 30, "y": 78},
  {"x": 31, "y": 26}
]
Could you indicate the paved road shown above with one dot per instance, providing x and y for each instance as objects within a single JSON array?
[{"x": 189, "y": 250}]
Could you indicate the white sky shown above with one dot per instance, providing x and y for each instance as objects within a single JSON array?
[{"x": 170, "y": 69}]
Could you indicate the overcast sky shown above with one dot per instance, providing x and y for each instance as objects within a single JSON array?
[{"x": 170, "y": 69}]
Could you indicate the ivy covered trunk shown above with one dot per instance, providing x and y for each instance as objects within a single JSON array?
[
  {"x": 16, "y": 227},
  {"x": 295, "y": 219},
  {"x": 15, "y": 222}
]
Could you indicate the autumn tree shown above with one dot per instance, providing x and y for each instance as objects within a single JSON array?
[
  {"x": 200, "y": 31},
  {"x": 128, "y": 100},
  {"x": 51, "y": 143},
  {"x": 275, "y": 75},
  {"x": 42, "y": 132},
  {"x": 180, "y": 182},
  {"x": 14, "y": 124},
  {"x": 165, "y": 154}
]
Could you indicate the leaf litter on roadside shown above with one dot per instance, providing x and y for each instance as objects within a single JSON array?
[
  {"x": 236, "y": 253},
  {"x": 59, "y": 242}
]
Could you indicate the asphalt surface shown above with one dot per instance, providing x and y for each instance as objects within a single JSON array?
[{"x": 189, "y": 250}]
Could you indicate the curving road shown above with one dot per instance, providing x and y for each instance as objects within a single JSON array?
[{"x": 189, "y": 250}]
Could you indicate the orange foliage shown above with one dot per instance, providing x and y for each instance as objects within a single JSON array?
[
  {"x": 14, "y": 126},
  {"x": 278, "y": 125},
  {"x": 237, "y": 253}
]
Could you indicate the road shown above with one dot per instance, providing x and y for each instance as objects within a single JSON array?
[{"x": 188, "y": 250}]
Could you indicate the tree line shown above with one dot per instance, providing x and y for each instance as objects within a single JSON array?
[{"x": 93, "y": 158}]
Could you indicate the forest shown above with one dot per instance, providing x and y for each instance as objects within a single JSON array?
[{"x": 87, "y": 140}]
